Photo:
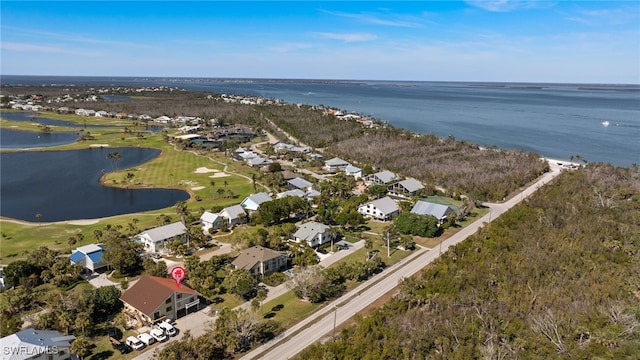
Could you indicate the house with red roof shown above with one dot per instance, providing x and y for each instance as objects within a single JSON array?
[{"x": 153, "y": 299}]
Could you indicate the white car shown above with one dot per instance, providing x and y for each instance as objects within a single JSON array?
[
  {"x": 146, "y": 338},
  {"x": 134, "y": 342},
  {"x": 158, "y": 334},
  {"x": 168, "y": 328}
]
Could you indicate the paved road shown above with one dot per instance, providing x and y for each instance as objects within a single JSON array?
[{"x": 323, "y": 322}]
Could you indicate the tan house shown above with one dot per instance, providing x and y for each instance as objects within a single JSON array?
[
  {"x": 260, "y": 261},
  {"x": 152, "y": 299}
]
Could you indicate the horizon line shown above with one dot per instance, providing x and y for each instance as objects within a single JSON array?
[{"x": 315, "y": 79}]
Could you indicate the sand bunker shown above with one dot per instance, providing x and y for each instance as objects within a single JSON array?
[
  {"x": 99, "y": 145},
  {"x": 197, "y": 188},
  {"x": 219, "y": 174},
  {"x": 204, "y": 170}
]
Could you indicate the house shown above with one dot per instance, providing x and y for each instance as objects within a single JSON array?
[
  {"x": 335, "y": 164},
  {"x": 152, "y": 299},
  {"x": 252, "y": 202},
  {"x": 351, "y": 170},
  {"x": 258, "y": 161},
  {"x": 295, "y": 192},
  {"x": 299, "y": 183},
  {"x": 36, "y": 344},
  {"x": 157, "y": 238},
  {"x": 234, "y": 215},
  {"x": 209, "y": 220},
  {"x": 314, "y": 233},
  {"x": 260, "y": 261},
  {"x": 89, "y": 257},
  {"x": 101, "y": 113},
  {"x": 381, "y": 209},
  {"x": 407, "y": 187},
  {"x": 441, "y": 212},
  {"x": 380, "y": 178}
]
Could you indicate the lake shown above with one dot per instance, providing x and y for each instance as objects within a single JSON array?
[
  {"x": 20, "y": 139},
  {"x": 65, "y": 185}
]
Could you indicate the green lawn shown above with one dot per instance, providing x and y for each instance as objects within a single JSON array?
[{"x": 288, "y": 309}]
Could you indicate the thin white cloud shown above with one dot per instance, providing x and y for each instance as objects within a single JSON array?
[
  {"x": 619, "y": 16},
  {"x": 24, "y": 47},
  {"x": 384, "y": 20},
  {"x": 72, "y": 37},
  {"x": 509, "y": 5},
  {"x": 346, "y": 37}
]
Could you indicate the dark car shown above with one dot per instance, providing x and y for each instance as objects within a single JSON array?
[
  {"x": 114, "y": 333},
  {"x": 120, "y": 346}
]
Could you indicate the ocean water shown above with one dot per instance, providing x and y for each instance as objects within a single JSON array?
[{"x": 553, "y": 120}]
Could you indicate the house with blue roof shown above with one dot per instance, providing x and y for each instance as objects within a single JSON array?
[
  {"x": 89, "y": 257},
  {"x": 36, "y": 344}
]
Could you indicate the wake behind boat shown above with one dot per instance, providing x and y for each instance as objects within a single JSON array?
[{"x": 605, "y": 123}]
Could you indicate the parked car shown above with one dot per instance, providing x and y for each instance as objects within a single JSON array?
[
  {"x": 146, "y": 338},
  {"x": 135, "y": 343},
  {"x": 121, "y": 347},
  {"x": 168, "y": 328},
  {"x": 158, "y": 334},
  {"x": 115, "y": 333}
]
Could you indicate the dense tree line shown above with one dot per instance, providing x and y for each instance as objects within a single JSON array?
[{"x": 555, "y": 277}]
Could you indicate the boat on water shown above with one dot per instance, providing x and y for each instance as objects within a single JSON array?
[{"x": 605, "y": 123}]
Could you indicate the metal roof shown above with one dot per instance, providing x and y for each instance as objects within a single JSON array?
[{"x": 427, "y": 208}]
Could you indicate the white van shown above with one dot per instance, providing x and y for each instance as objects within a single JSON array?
[
  {"x": 134, "y": 342},
  {"x": 158, "y": 334},
  {"x": 146, "y": 338},
  {"x": 168, "y": 328}
]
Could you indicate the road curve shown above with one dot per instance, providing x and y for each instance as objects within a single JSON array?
[{"x": 323, "y": 322}]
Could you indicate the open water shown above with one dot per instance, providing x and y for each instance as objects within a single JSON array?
[{"x": 553, "y": 120}]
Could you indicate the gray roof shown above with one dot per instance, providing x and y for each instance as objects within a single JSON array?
[
  {"x": 411, "y": 184},
  {"x": 310, "y": 230},
  {"x": 427, "y": 208},
  {"x": 166, "y": 231},
  {"x": 258, "y": 198},
  {"x": 209, "y": 216},
  {"x": 232, "y": 212},
  {"x": 300, "y": 183},
  {"x": 386, "y": 205},
  {"x": 249, "y": 257},
  {"x": 294, "y": 192},
  {"x": 385, "y": 176},
  {"x": 29, "y": 342},
  {"x": 336, "y": 162},
  {"x": 352, "y": 169}
]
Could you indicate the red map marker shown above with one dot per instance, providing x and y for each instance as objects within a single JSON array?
[{"x": 178, "y": 273}]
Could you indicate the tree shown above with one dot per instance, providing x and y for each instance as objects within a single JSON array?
[
  {"x": 240, "y": 282},
  {"x": 17, "y": 272},
  {"x": 107, "y": 301},
  {"x": 83, "y": 322},
  {"x": 415, "y": 224},
  {"x": 235, "y": 329},
  {"x": 182, "y": 210},
  {"x": 81, "y": 346},
  {"x": 122, "y": 254},
  {"x": 274, "y": 167},
  {"x": 309, "y": 284}
]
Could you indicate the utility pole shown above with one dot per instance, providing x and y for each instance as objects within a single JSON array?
[{"x": 388, "y": 246}]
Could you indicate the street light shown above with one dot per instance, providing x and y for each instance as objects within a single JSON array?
[{"x": 335, "y": 316}]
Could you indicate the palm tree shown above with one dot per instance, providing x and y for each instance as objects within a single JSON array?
[
  {"x": 38, "y": 216},
  {"x": 114, "y": 158},
  {"x": 182, "y": 210}
]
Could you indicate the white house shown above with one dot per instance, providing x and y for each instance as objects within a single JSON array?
[
  {"x": 381, "y": 209},
  {"x": 380, "y": 178},
  {"x": 351, "y": 170},
  {"x": 36, "y": 344},
  {"x": 335, "y": 164},
  {"x": 314, "y": 233},
  {"x": 234, "y": 215},
  {"x": 89, "y": 257},
  {"x": 155, "y": 239},
  {"x": 210, "y": 220},
  {"x": 252, "y": 202},
  {"x": 441, "y": 212}
]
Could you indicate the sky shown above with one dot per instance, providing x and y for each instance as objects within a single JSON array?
[{"x": 497, "y": 40}]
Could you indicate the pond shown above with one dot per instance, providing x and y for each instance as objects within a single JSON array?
[
  {"x": 19, "y": 139},
  {"x": 115, "y": 97},
  {"x": 34, "y": 118},
  {"x": 65, "y": 185}
]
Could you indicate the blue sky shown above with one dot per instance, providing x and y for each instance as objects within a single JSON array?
[{"x": 497, "y": 40}]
